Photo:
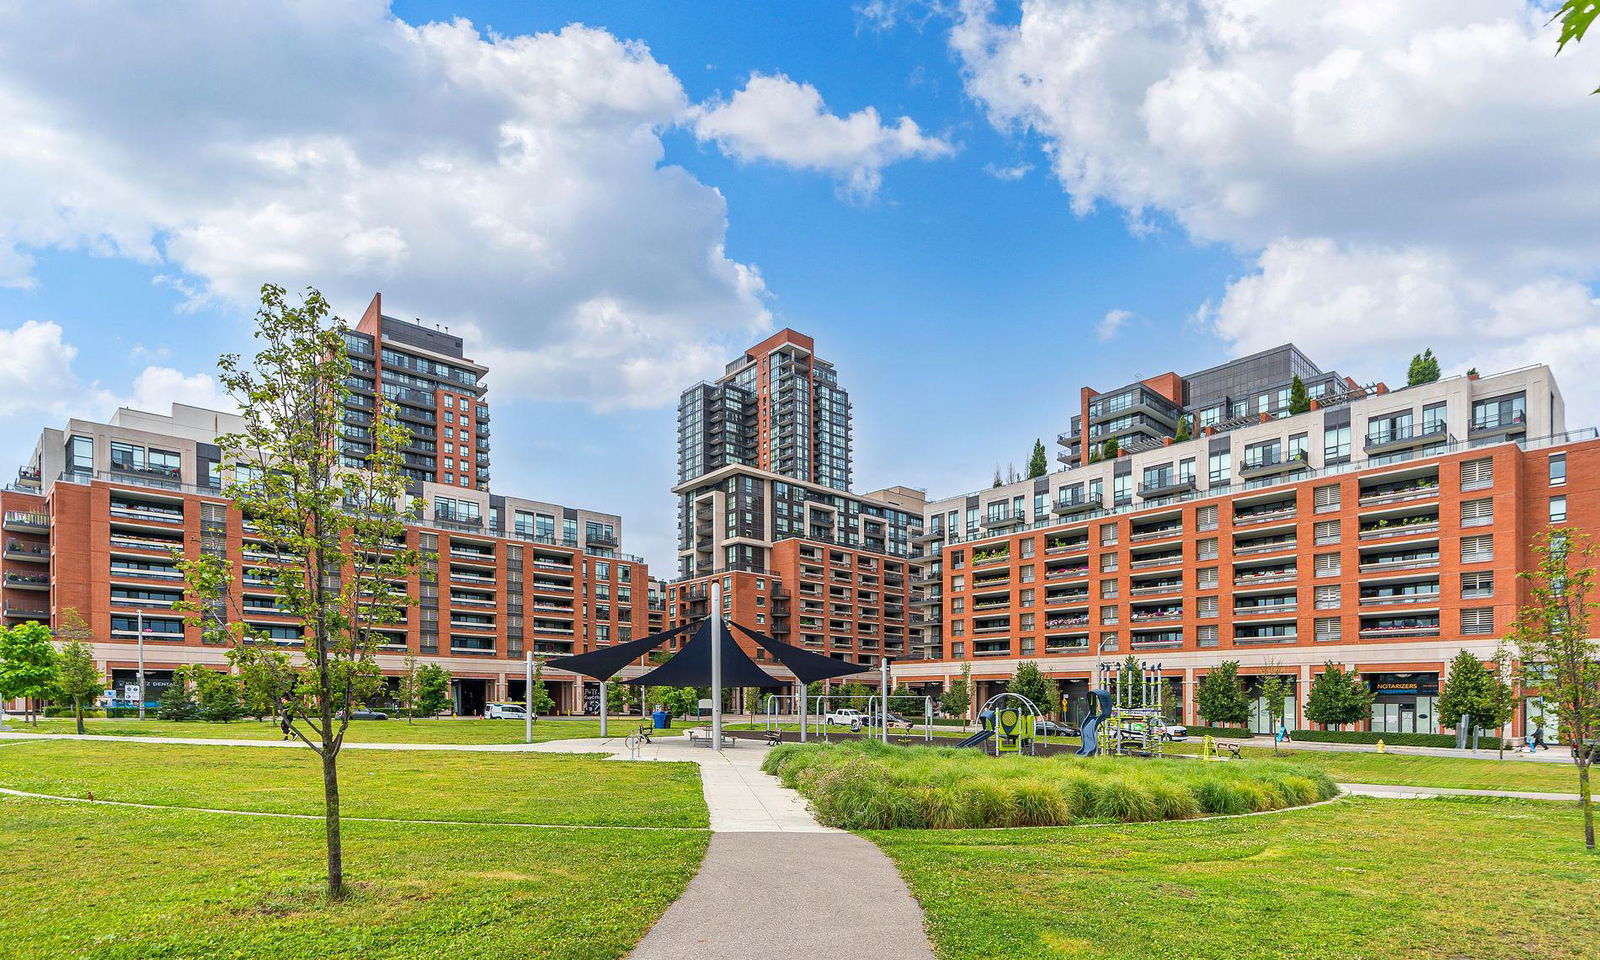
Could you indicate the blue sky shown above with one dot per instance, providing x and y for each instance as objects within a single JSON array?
[{"x": 608, "y": 212}]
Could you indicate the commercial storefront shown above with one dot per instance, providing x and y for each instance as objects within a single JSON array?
[{"x": 1404, "y": 702}]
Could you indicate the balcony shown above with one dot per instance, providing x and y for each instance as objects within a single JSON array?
[
  {"x": 1166, "y": 486},
  {"x": 1402, "y": 563},
  {"x": 26, "y": 521},
  {"x": 982, "y": 557},
  {"x": 1254, "y": 517},
  {"x": 27, "y": 552},
  {"x": 1076, "y": 505},
  {"x": 1258, "y": 468},
  {"x": 1066, "y": 644},
  {"x": 1156, "y": 615},
  {"x": 1495, "y": 425},
  {"x": 1399, "y": 599},
  {"x": 1157, "y": 560},
  {"x": 931, "y": 536},
  {"x": 1399, "y": 493},
  {"x": 19, "y": 612},
  {"x": 28, "y": 581},
  {"x": 1402, "y": 527},
  {"x": 1063, "y": 547},
  {"x": 1005, "y": 521},
  {"x": 1156, "y": 533},
  {"x": 1261, "y": 577},
  {"x": 1148, "y": 589},
  {"x": 1284, "y": 609},
  {"x": 1062, "y": 621},
  {"x": 1401, "y": 627},
  {"x": 1072, "y": 599},
  {"x": 1408, "y": 438},
  {"x": 1068, "y": 573},
  {"x": 1264, "y": 545}
]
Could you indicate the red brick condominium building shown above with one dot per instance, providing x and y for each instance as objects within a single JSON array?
[{"x": 1380, "y": 529}]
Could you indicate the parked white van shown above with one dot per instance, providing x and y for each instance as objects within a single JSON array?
[{"x": 506, "y": 711}]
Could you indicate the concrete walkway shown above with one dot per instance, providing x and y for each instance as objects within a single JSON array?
[
  {"x": 775, "y": 883},
  {"x": 1395, "y": 792}
]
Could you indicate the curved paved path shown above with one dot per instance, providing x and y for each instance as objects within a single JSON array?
[{"x": 775, "y": 883}]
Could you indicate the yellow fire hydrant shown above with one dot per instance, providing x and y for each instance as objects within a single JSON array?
[{"x": 1380, "y": 746}]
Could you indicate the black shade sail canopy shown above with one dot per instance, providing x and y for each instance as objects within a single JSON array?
[
  {"x": 604, "y": 663},
  {"x": 691, "y": 666},
  {"x": 807, "y": 666}
]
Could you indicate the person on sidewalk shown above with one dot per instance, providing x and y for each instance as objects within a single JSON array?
[
  {"x": 283, "y": 724},
  {"x": 1538, "y": 740}
]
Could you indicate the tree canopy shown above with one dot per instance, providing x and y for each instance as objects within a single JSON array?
[
  {"x": 1219, "y": 696},
  {"x": 1424, "y": 368},
  {"x": 1337, "y": 697},
  {"x": 1038, "y": 462}
]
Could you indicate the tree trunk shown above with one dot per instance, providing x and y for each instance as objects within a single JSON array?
[
  {"x": 330, "y": 795},
  {"x": 78, "y": 712},
  {"x": 1587, "y": 801}
]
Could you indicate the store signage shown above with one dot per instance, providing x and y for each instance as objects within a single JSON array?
[{"x": 1406, "y": 685}]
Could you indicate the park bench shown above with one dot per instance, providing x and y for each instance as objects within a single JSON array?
[
  {"x": 773, "y": 738},
  {"x": 1232, "y": 749}
]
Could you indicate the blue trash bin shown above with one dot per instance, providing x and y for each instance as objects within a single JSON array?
[{"x": 661, "y": 720}]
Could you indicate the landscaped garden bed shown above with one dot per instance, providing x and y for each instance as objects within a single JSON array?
[{"x": 865, "y": 786}]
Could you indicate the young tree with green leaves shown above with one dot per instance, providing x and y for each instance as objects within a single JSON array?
[
  {"x": 1424, "y": 368},
  {"x": 78, "y": 680},
  {"x": 177, "y": 703},
  {"x": 433, "y": 689},
  {"x": 1219, "y": 696},
  {"x": 1337, "y": 697},
  {"x": 339, "y": 530},
  {"x": 1275, "y": 689},
  {"x": 957, "y": 701},
  {"x": 1038, "y": 462},
  {"x": 1299, "y": 399},
  {"x": 1475, "y": 692},
  {"x": 539, "y": 698},
  {"x": 1560, "y": 660},
  {"x": 1029, "y": 681},
  {"x": 27, "y": 666},
  {"x": 407, "y": 691},
  {"x": 1110, "y": 449}
]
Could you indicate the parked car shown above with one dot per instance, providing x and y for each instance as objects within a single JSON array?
[
  {"x": 1174, "y": 731},
  {"x": 895, "y": 720},
  {"x": 368, "y": 715},
  {"x": 506, "y": 711},
  {"x": 1054, "y": 728},
  {"x": 849, "y": 717}
]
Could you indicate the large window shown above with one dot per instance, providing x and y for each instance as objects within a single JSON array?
[
  {"x": 1499, "y": 412},
  {"x": 1336, "y": 443}
]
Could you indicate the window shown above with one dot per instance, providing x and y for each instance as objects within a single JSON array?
[
  {"x": 80, "y": 456},
  {"x": 1326, "y": 565},
  {"x": 1325, "y": 499},
  {"x": 1025, "y": 599},
  {"x": 1027, "y": 642},
  {"x": 1477, "y": 513},
  {"x": 1477, "y": 474},
  {"x": 1108, "y": 562},
  {"x": 1207, "y": 635},
  {"x": 1205, "y": 518},
  {"x": 1477, "y": 549},
  {"x": 958, "y": 605},
  {"x": 1220, "y": 465},
  {"x": 1025, "y": 548},
  {"x": 1206, "y": 549},
  {"x": 1206, "y": 607},
  {"x": 958, "y": 583},
  {"x": 1326, "y": 629},
  {"x": 1108, "y": 589},
  {"x": 1186, "y": 470},
  {"x": 1328, "y": 597},
  {"x": 1558, "y": 509},
  {"x": 1027, "y": 574},
  {"x": 1025, "y": 622},
  {"x": 1299, "y": 447},
  {"x": 1558, "y": 468},
  {"x": 1122, "y": 489},
  {"x": 1327, "y": 531},
  {"x": 1108, "y": 641},
  {"x": 1476, "y": 586},
  {"x": 1499, "y": 412},
  {"x": 1108, "y": 534},
  {"x": 1433, "y": 418},
  {"x": 1108, "y": 615},
  {"x": 1336, "y": 443},
  {"x": 1477, "y": 622},
  {"x": 1206, "y": 578}
]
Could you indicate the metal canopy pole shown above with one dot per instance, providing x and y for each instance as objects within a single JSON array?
[
  {"x": 803, "y": 693},
  {"x": 527, "y": 692},
  {"x": 140, "y": 614},
  {"x": 603, "y": 706},
  {"x": 716, "y": 665}
]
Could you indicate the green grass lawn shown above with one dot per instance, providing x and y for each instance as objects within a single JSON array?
[
  {"x": 1447, "y": 878},
  {"x": 361, "y": 731},
  {"x": 1414, "y": 771},
  {"x": 410, "y": 784},
  {"x": 110, "y": 883}
]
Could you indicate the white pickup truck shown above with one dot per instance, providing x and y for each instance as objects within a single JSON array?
[{"x": 846, "y": 717}]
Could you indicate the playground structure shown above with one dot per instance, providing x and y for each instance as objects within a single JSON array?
[
  {"x": 1008, "y": 727},
  {"x": 1127, "y": 714}
]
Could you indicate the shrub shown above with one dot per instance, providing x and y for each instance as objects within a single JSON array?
[
  {"x": 1389, "y": 739},
  {"x": 868, "y": 785}
]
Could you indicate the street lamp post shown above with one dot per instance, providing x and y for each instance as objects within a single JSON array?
[
  {"x": 140, "y": 624},
  {"x": 716, "y": 665}
]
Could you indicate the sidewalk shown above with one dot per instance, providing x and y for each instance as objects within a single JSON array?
[
  {"x": 775, "y": 883},
  {"x": 1394, "y": 792},
  {"x": 1553, "y": 755}
]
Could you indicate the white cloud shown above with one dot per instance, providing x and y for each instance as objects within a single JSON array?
[
  {"x": 38, "y": 381},
  {"x": 1401, "y": 173},
  {"x": 774, "y": 118},
  {"x": 504, "y": 185},
  {"x": 1111, "y": 324},
  {"x": 1015, "y": 171}
]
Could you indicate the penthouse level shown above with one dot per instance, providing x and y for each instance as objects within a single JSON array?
[{"x": 101, "y": 513}]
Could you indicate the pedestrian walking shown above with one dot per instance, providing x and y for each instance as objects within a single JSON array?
[
  {"x": 283, "y": 724},
  {"x": 1538, "y": 739}
]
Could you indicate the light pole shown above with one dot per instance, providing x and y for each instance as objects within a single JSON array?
[
  {"x": 527, "y": 692},
  {"x": 883, "y": 694},
  {"x": 140, "y": 623}
]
